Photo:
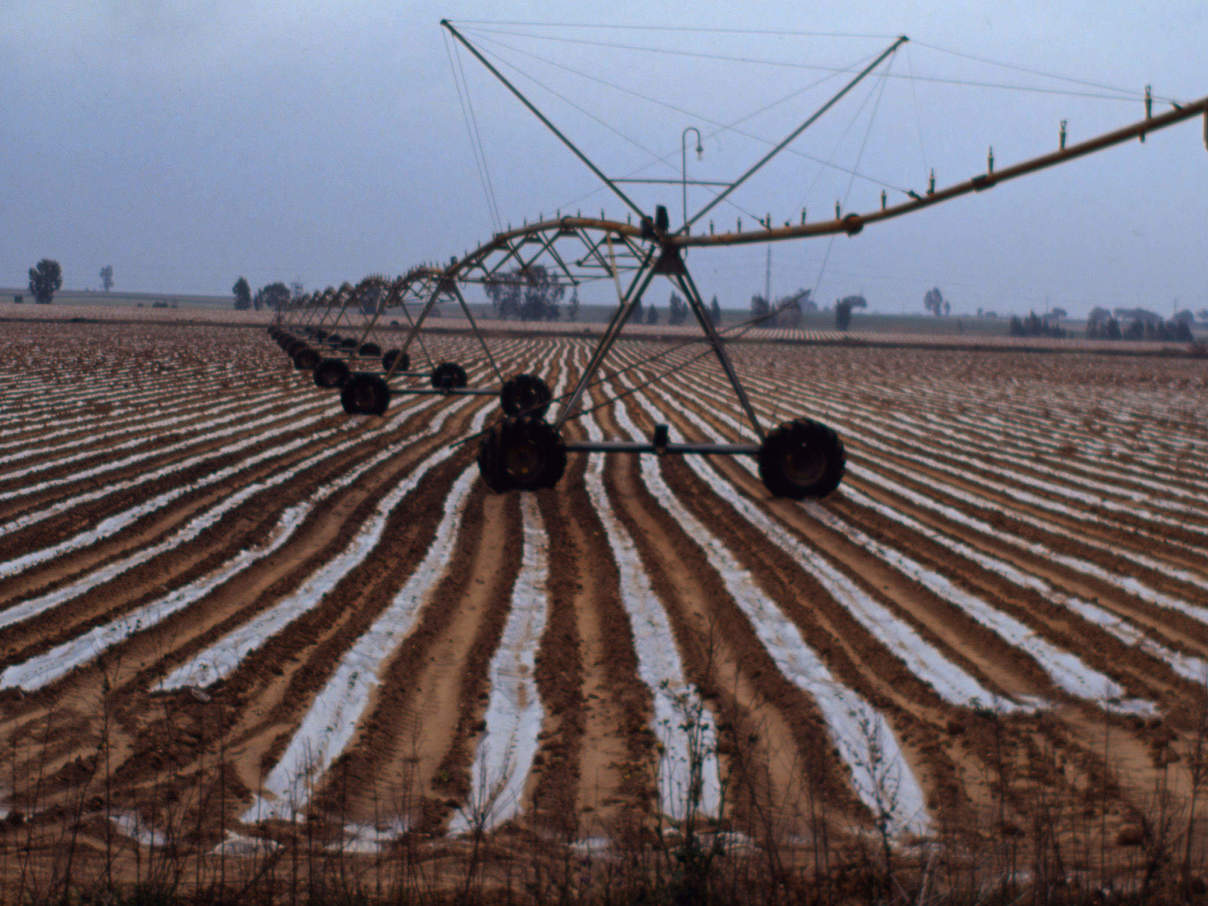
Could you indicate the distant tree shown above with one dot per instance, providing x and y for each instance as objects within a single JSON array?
[
  {"x": 45, "y": 280},
  {"x": 789, "y": 308},
  {"x": 1058, "y": 313},
  {"x": 1111, "y": 329},
  {"x": 759, "y": 306},
  {"x": 1183, "y": 317},
  {"x": 1035, "y": 326},
  {"x": 933, "y": 301},
  {"x": 1143, "y": 315},
  {"x": 843, "y": 310},
  {"x": 243, "y": 294},
  {"x": 1202, "y": 314},
  {"x": 504, "y": 293},
  {"x": 572, "y": 307},
  {"x": 715, "y": 312},
  {"x": 107, "y": 277},
  {"x": 528, "y": 293},
  {"x": 677, "y": 312},
  {"x": 275, "y": 296},
  {"x": 947, "y": 308},
  {"x": 652, "y": 315}
]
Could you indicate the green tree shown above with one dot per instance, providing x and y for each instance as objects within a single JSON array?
[
  {"x": 933, "y": 301},
  {"x": 652, "y": 315},
  {"x": 678, "y": 310},
  {"x": 107, "y": 277},
  {"x": 275, "y": 296},
  {"x": 715, "y": 312},
  {"x": 843, "y": 310},
  {"x": 45, "y": 280},
  {"x": 759, "y": 306},
  {"x": 243, "y": 294},
  {"x": 530, "y": 293}
]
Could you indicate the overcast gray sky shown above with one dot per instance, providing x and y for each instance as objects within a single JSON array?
[{"x": 189, "y": 143}]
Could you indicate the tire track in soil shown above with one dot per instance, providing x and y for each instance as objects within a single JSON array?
[
  {"x": 236, "y": 530},
  {"x": 419, "y": 736},
  {"x": 612, "y": 711},
  {"x": 140, "y": 474},
  {"x": 1059, "y": 575},
  {"x": 154, "y": 525},
  {"x": 105, "y": 499},
  {"x": 968, "y": 644},
  {"x": 1141, "y": 745},
  {"x": 152, "y": 446},
  {"x": 980, "y": 506},
  {"x": 920, "y": 718},
  {"x": 782, "y": 734},
  {"x": 1099, "y": 648},
  {"x": 265, "y": 582},
  {"x": 274, "y": 685}
]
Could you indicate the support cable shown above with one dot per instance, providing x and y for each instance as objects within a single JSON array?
[
  {"x": 1133, "y": 95},
  {"x": 1116, "y": 94},
  {"x": 534, "y": 80},
  {"x": 492, "y": 210},
  {"x": 482, "y": 150},
  {"x": 720, "y": 127},
  {"x": 847, "y": 194},
  {"x": 918, "y": 115}
]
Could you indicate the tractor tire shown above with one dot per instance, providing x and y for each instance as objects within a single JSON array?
[
  {"x": 802, "y": 458},
  {"x": 448, "y": 376},
  {"x": 526, "y": 394},
  {"x": 390, "y": 355},
  {"x": 331, "y": 373},
  {"x": 306, "y": 359},
  {"x": 521, "y": 454},
  {"x": 365, "y": 394}
]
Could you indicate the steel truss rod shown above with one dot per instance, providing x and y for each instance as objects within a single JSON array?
[
  {"x": 637, "y": 287},
  {"x": 537, "y": 113},
  {"x": 628, "y": 446},
  {"x": 664, "y": 259},
  {"x": 474, "y": 327},
  {"x": 397, "y": 293},
  {"x": 686, "y": 284},
  {"x": 445, "y": 283},
  {"x": 796, "y": 132}
]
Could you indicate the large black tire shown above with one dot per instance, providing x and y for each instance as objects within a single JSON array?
[
  {"x": 306, "y": 358},
  {"x": 525, "y": 394},
  {"x": 448, "y": 376},
  {"x": 349, "y": 343},
  {"x": 365, "y": 394},
  {"x": 390, "y": 355},
  {"x": 370, "y": 349},
  {"x": 521, "y": 454},
  {"x": 331, "y": 373},
  {"x": 802, "y": 458},
  {"x": 320, "y": 334}
]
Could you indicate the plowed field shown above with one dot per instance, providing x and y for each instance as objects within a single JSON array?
[{"x": 226, "y": 606}]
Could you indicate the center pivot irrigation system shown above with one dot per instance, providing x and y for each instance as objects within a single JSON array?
[{"x": 524, "y": 449}]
